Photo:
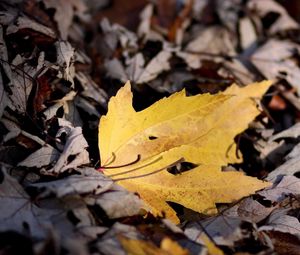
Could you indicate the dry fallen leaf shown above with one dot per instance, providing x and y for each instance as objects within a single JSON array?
[
  {"x": 97, "y": 189},
  {"x": 74, "y": 152},
  {"x": 110, "y": 244},
  {"x": 289, "y": 167},
  {"x": 280, "y": 221},
  {"x": 65, "y": 12},
  {"x": 140, "y": 146},
  {"x": 136, "y": 70},
  {"x": 287, "y": 185},
  {"x": 217, "y": 227},
  {"x": 24, "y": 22},
  {"x": 65, "y": 60},
  {"x": 42, "y": 157},
  {"x": 19, "y": 213},
  {"x": 283, "y": 20},
  {"x": 275, "y": 61}
]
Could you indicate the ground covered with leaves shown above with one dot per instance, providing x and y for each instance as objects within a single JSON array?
[{"x": 182, "y": 162}]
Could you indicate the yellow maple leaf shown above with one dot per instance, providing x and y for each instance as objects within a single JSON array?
[
  {"x": 172, "y": 247},
  {"x": 141, "y": 247},
  {"x": 212, "y": 249},
  {"x": 140, "y": 146}
]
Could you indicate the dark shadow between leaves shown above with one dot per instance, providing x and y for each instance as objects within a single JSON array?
[{"x": 181, "y": 167}]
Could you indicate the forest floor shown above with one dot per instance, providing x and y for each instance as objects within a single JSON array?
[{"x": 62, "y": 62}]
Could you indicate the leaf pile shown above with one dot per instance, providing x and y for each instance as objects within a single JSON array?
[{"x": 180, "y": 137}]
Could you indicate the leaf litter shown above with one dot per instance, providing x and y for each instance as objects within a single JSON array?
[{"x": 58, "y": 70}]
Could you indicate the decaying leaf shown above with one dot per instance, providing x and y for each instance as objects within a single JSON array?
[
  {"x": 74, "y": 152},
  {"x": 65, "y": 12},
  {"x": 36, "y": 217},
  {"x": 13, "y": 129},
  {"x": 288, "y": 185},
  {"x": 88, "y": 182},
  {"x": 18, "y": 212},
  {"x": 136, "y": 70},
  {"x": 253, "y": 211},
  {"x": 281, "y": 23},
  {"x": 65, "y": 59},
  {"x": 279, "y": 220},
  {"x": 290, "y": 167},
  {"x": 214, "y": 41},
  {"x": 22, "y": 82},
  {"x": 247, "y": 32},
  {"x": 292, "y": 132},
  {"x": 217, "y": 228},
  {"x": 198, "y": 130},
  {"x": 275, "y": 61},
  {"x": 110, "y": 244},
  {"x": 24, "y": 22},
  {"x": 97, "y": 190},
  {"x": 42, "y": 157},
  {"x": 292, "y": 159}
]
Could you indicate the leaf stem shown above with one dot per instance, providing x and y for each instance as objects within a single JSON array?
[{"x": 154, "y": 172}]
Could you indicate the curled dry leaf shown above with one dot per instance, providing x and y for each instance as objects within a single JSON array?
[
  {"x": 136, "y": 69},
  {"x": 65, "y": 60},
  {"x": 91, "y": 90},
  {"x": 22, "y": 76},
  {"x": 198, "y": 130},
  {"x": 247, "y": 32},
  {"x": 281, "y": 23},
  {"x": 249, "y": 210},
  {"x": 292, "y": 132},
  {"x": 217, "y": 228},
  {"x": 290, "y": 167},
  {"x": 65, "y": 12},
  {"x": 74, "y": 153},
  {"x": 117, "y": 203},
  {"x": 24, "y": 22},
  {"x": 275, "y": 61},
  {"x": 210, "y": 43},
  {"x": 288, "y": 185},
  {"x": 280, "y": 221},
  {"x": 13, "y": 129}
]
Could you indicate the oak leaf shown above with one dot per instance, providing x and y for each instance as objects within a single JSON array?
[{"x": 137, "y": 148}]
